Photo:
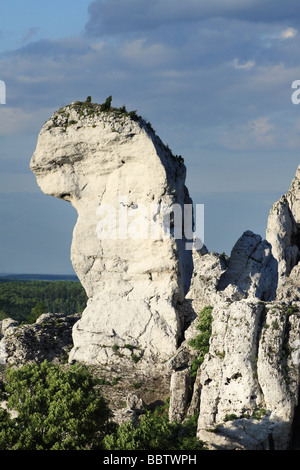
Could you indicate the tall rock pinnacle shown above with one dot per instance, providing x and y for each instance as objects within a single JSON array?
[
  {"x": 283, "y": 230},
  {"x": 110, "y": 165}
]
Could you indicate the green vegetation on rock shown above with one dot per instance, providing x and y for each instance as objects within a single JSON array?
[
  {"x": 155, "y": 432},
  {"x": 89, "y": 109},
  {"x": 201, "y": 341}
]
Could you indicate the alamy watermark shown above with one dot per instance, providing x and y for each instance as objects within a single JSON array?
[
  {"x": 155, "y": 221},
  {"x": 2, "y": 92},
  {"x": 296, "y": 95}
]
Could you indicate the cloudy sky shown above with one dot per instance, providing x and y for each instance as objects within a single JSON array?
[{"x": 213, "y": 78}]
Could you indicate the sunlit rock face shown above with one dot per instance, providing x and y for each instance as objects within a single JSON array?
[
  {"x": 246, "y": 389},
  {"x": 283, "y": 229},
  {"x": 120, "y": 177}
]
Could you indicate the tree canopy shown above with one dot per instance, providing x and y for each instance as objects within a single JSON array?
[
  {"x": 24, "y": 301},
  {"x": 49, "y": 408}
]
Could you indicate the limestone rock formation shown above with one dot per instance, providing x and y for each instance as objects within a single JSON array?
[
  {"x": 49, "y": 338},
  {"x": 283, "y": 230},
  {"x": 143, "y": 299},
  {"x": 252, "y": 268},
  {"x": 135, "y": 406},
  {"x": 250, "y": 378},
  {"x": 124, "y": 183},
  {"x": 247, "y": 389},
  {"x": 250, "y": 272}
]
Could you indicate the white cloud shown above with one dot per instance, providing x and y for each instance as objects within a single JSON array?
[
  {"x": 257, "y": 133},
  {"x": 119, "y": 16},
  {"x": 35, "y": 79},
  {"x": 146, "y": 55},
  {"x": 245, "y": 66},
  {"x": 288, "y": 33},
  {"x": 98, "y": 46},
  {"x": 17, "y": 121},
  {"x": 261, "y": 129}
]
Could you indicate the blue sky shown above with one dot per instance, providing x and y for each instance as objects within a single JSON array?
[{"x": 214, "y": 79}]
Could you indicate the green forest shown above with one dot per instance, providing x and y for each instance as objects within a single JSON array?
[{"x": 25, "y": 301}]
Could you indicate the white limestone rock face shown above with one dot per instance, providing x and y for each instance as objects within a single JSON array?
[
  {"x": 249, "y": 380},
  {"x": 293, "y": 196},
  {"x": 247, "y": 389},
  {"x": 49, "y": 338},
  {"x": 111, "y": 167},
  {"x": 208, "y": 270},
  {"x": 283, "y": 229},
  {"x": 252, "y": 268},
  {"x": 250, "y": 272}
]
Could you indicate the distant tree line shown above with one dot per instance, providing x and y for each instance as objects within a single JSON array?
[{"x": 24, "y": 301}]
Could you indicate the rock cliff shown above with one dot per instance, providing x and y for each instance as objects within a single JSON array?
[
  {"x": 124, "y": 183},
  {"x": 49, "y": 338},
  {"x": 283, "y": 230},
  {"x": 246, "y": 390},
  {"x": 236, "y": 363}
]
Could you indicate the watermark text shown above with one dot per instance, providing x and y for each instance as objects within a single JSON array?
[
  {"x": 296, "y": 93},
  {"x": 2, "y": 92},
  {"x": 156, "y": 221}
]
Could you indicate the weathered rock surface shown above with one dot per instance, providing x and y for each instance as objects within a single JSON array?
[
  {"x": 250, "y": 378},
  {"x": 135, "y": 406},
  {"x": 289, "y": 288},
  {"x": 208, "y": 270},
  {"x": 252, "y": 268},
  {"x": 49, "y": 338},
  {"x": 108, "y": 161},
  {"x": 283, "y": 229},
  {"x": 247, "y": 389}
]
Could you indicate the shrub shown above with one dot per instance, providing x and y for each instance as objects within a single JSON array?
[
  {"x": 107, "y": 105},
  {"x": 155, "y": 432},
  {"x": 56, "y": 409},
  {"x": 230, "y": 417},
  {"x": 201, "y": 341}
]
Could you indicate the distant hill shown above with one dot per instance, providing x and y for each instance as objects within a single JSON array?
[{"x": 38, "y": 277}]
